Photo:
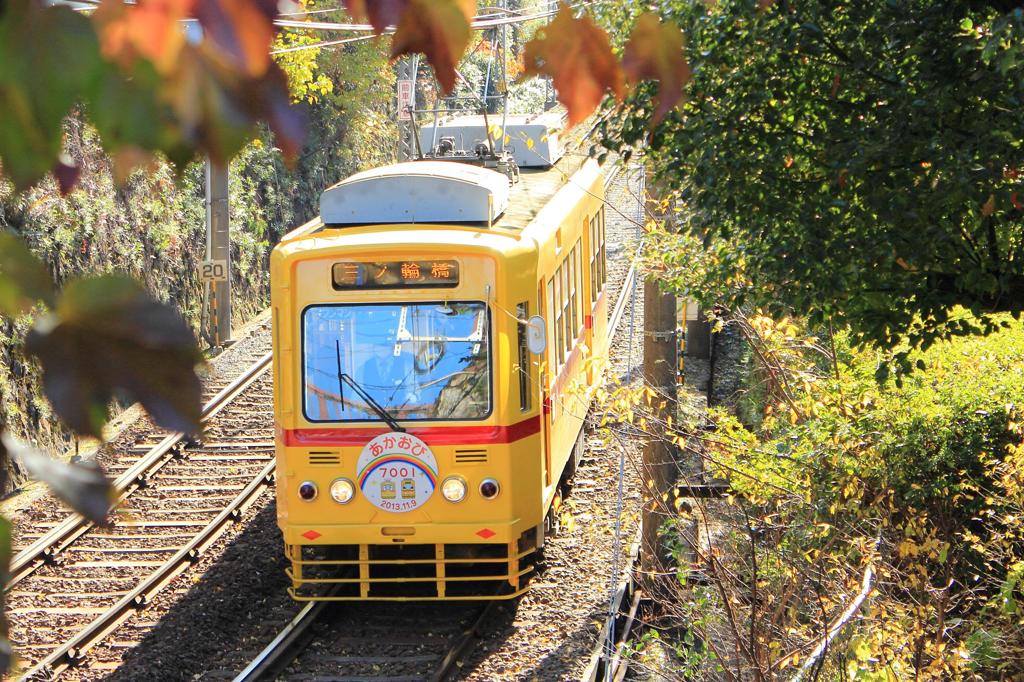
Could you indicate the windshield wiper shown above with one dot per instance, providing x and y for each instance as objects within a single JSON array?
[{"x": 384, "y": 414}]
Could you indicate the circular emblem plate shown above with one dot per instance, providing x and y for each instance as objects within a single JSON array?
[{"x": 396, "y": 472}]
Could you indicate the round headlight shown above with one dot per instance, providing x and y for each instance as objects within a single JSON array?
[
  {"x": 342, "y": 490},
  {"x": 307, "y": 491},
  {"x": 454, "y": 489},
  {"x": 489, "y": 488}
]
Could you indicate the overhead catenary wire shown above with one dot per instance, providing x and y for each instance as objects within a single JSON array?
[
  {"x": 327, "y": 43},
  {"x": 478, "y": 23}
]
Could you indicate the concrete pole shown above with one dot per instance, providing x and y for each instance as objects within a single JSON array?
[
  {"x": 218, "y": 248},
  {"x": 660, "y": 363},
  {"x": 661, "y": 349}
]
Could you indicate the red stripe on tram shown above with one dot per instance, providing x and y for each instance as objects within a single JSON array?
[{"x": 431, "y": 435}]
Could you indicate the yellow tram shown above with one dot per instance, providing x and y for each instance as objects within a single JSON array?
[{"x": 434, "y": 343}]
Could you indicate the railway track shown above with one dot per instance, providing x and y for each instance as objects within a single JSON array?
[
  {"x": 413, "y": 653},
  {"x": 75, "y": 583}
]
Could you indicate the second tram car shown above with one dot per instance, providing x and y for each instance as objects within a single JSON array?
[{"x": 420, "y": 438}]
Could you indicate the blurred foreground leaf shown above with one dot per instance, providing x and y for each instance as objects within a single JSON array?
[
  {"x": 440, "y": 30},
  {"x": 106, "y": 337},
  {"x": 82, "y": 485},
  {"x": 578, "y": 57},
  {"x": 655, "y": 51},
  {"x": 24, "y": 280},
  {"x": 161, "y": 92},
  {"x": 242, "y": 30},
  {"x": 380, "y": 13},
  {"x": 49, "y": 56}
]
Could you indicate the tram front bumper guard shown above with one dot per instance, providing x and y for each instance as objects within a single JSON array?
[{"x": 441, "y": 577}]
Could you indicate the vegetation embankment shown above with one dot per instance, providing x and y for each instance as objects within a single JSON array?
[
  {"x": 888, "y": 519},
  {"x": 875, "y": 526}
]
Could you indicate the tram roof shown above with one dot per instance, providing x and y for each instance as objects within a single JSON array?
[
  {"x": 445, "y": 192},
  {"x": 416, "y": 192},
  {"x": 535, "y": 189}
]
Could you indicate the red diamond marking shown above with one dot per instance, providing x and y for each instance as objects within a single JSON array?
[
  {"x": 486, "y": 533},
  {"x": 311, "y": 535}
]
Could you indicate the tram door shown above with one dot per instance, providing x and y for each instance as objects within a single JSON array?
[{"x": 545, "y": 401}]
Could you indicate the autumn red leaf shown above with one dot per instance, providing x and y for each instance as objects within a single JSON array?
[
  {"x": 150, "y": 30},
  {"x": 216, "y": 106},
  {"x": 577, "y": 55},
  {"x": 440, "y": 29},
  {"x": 655, "y": 52},
  {"x": 67, "y": 175},
  {"x": 210, "y": 93},
  {"x": 380, "y": 13},
  {"x": 241, "y": 29}
]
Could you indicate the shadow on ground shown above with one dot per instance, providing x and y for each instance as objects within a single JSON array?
[
  {"x": 222, "y": 613},
  {"x": 235, "y": 607}
]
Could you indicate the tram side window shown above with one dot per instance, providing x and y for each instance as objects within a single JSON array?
[
  {"x": 551, "y": 308},
  {"x": 593, "y": 259},
  {"x": 566, "y": 313},
  {"x": 559, "y": 327},
  {"x": 523, "y": 314},
  {"x": 578, "y": 313},
  {"x": 573, "y": 285},
  {"x": 604, "y": 255}
]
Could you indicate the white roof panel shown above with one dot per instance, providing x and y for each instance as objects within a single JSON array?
[{"x": 417, "y": 192}]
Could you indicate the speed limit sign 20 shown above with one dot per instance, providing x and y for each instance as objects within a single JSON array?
[{"x": 213, "y": 271}]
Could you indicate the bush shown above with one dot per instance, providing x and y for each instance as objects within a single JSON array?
[{"x": 922, "y": 483}]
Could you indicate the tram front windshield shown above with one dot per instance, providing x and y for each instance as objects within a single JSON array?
[{"x": 419, "y": 361}]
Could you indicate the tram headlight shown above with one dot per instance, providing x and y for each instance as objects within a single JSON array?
[
  {"x": 489, "y": 488},
  {"x": 454, "y": 488},
  {"x": 308, "y": 491},
  {"x": 342, "y": 490}
]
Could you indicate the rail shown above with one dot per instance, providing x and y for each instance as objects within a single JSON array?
[
  {"x": 77, "y": 647},
  {"x": 290, "y": 642},
  {"x": 600, "y": 667},
  {"x": 74, "y": 526}
]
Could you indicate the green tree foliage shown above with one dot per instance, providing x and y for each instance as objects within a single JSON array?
[{"x": 855, "y": 161}]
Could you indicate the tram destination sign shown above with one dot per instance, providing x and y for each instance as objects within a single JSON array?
[{"x": 399, "y": 274}]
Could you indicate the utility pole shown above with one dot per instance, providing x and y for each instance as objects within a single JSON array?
[
  {"x": 660, "y": 364},
  {"x": 216, "y": 269}
]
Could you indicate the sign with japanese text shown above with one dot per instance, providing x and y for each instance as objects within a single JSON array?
[
  {"x": 395, "y": 274},
  {"x": 405, "y": 99}
]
